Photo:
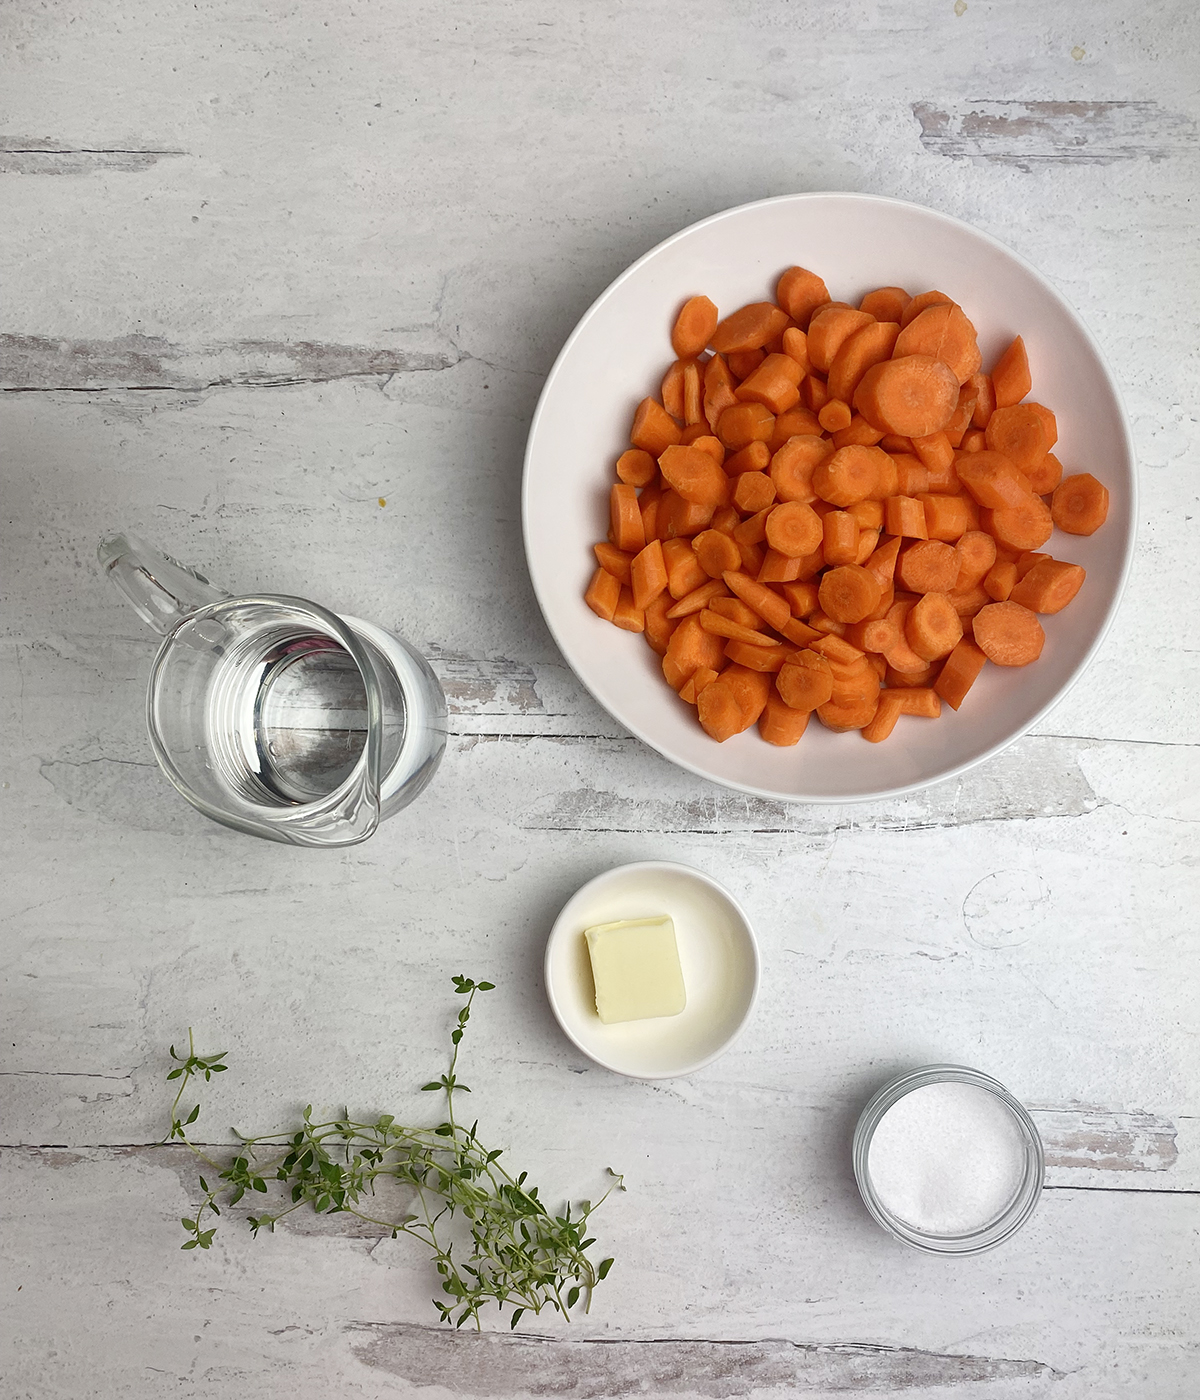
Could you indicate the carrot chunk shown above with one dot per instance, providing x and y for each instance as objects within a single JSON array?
[
  {"x": 683, "y": 571},
  {"x": 698, "y": 598},
  {"x": 928, "y": 566},
  {"x": 885, "y": 717},
  {"x": 1049, "y": 586},
  {"x": 829, "y": 330},
  {"x": 796, "y": 422},
  {"x": 902, "y": 515},
  {"x": 886, "y": 303},
  {"x": 628, "y": 532},
  {"x": 1026, "y": 526},
  {"x": 603, "y": 594},
  {"x": 799, "y": 291},
  {"x": 792, "y": 467},
  {"x": 1019, "y": 432},
  {"x": 992, "y": 479},
  {"x": 694, "y": 327},
  {"x": 768, "y": 604},
  {"x": 648, "y": 575},
  {"x": 1080, "y": 505},
  {"x": 781, "y": 725},
  {"x": 794, "y": 529},
  {"x": 716, "y": 552},
  {"x": 921, "y": 701},
  {"x": 805, "y": 681},
  {"x": 850, "y": 474},
  {"x": 719, "y": 711},
  {"x": 654, "y": 430},
  {"x": 933, "y": 628},
  {"x": 918, "y": 304},
  {"x": 1046, "y": 477},
  {"x": 753, "y": 492},
  {"x": 627, "y": 614},
  {"x": 718, "y": 390},
  {"x": 659, "y": 625},
  {"x": 947, "y": 518},
  {"x": 849, "y": 592},
  {"x": 693, "y": 474},
  {"x": 914, "y": 395},
  {"x": 1011, "y": 380},
  {"x": 691, "y": 647},
  {"x": 613, "y": 560},
  {"x": 867, "y": 346},
  {"x": 959, "y": 673},
  {"x": 749, "y": 329},
  {"x": 636, "y": 467},
  {"x": 744, "y": 423},
  {"x": 1000, "y": 579},
  {"x": 1009, "y": 634},
  {"x": 942, "y": 332},
  {"x": 774, "y": 384}
]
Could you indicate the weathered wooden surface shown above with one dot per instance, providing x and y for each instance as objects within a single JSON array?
[{"x": 281, "y": 285}]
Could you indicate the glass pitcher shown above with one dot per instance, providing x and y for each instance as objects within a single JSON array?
[{"x": 272, "y": 714}]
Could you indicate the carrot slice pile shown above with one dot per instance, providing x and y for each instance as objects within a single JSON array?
[{"x": 836, "y": 510}]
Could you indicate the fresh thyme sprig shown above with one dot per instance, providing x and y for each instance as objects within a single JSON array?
[{"x": 512, "y": 1251}]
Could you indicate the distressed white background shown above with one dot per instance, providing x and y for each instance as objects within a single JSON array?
[{"x": 264, "y": 263}]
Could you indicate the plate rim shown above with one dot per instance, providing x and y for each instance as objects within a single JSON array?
[
  {"x": 899, "y": 790},
  {"x": 556, "y": 935}
]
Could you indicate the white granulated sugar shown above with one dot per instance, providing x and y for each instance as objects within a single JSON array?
[{"x": 947, "y": 1159}]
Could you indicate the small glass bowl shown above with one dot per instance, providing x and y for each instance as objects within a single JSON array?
[{"x": 1015, "y": 1214}]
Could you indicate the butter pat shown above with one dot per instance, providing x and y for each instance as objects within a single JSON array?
[{"x": 635, "y": 966}]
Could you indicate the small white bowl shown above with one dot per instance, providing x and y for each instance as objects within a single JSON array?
[{"x": 717, "y": 950}]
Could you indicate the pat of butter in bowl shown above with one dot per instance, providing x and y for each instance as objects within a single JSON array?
[{"x": 635, "y": 966}]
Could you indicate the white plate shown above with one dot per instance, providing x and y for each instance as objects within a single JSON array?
[
  {"x": 617, "y": 355},
  {"x": 717, "y": 951}
]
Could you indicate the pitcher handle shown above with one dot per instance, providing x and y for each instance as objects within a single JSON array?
[{"x": 162, "y": 590}]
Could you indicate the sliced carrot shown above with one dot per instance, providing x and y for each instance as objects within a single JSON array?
[
  {"x": 914, "y": 395},
  {"x": 921, "y": 701},
  {"x": 894, "y": 443},
  {"x": 627, "y": 615},
  {"x": 720, "y": 712},
  {"x": 659, "y": 625},
  {"x": 744, "y": 423},
  {"x": 1011, "y": 380},
  {"x": 1049, "y": 586},
  {"x": 680, "y": 519},
  {"x": 805, "y": 681},
  {"x": 904, "y": 516},
  {"x": 992, "y": 479},
  {"x": 694, "y": 327},
  {"x": 877, "y": 635},
  {"x": 1019, "y": 432},
  {"x": 1009, "y": 634},
  {"x": 753, "y": 556},
  {"x": 934, "y": 452},
  {"x": 649, "y": 506},
  {"x": 698, "y": 598},
  {"x": 1080, "y": 504},
  {"x": 1047, "y": 476},
  {"x": 883, "y": 562},
  {"x": 613, "y": 560},
  {"x": 814, "y": 391},
  {"x": 968, "y": 602},
  {"x": 799, "y": 632},
  {"x": 885, "y": 717},
  {"x": 718, "y": 390},
  {"x": 917, "y": 304},
  {"x": 774, "y": 384},
  {"x": 736, "y": 611},
  {"x": 1000, "y": 579},
  {"x": 928, "y": 566},
  {"x": 850, "y": 474},
  {"x": 968, "y": 397},
  {"x": 985, "y": 399},
  {"x": 792, "y": 467},
  {"x": 867, "y": 346},
  {"x": 753, "y": 492},
  {"x": 689, "y": 691},
  {"x": 841, "y": 538},
  {"x": 942, "y": 332},
  {"x": 797, "y": 422},
  {"x": 1027, "y": 526},
  {"x": 603, "y": 594},
  {"x": 794, "y": 529},
  {"x": 684, "y": 573},
  {"x": 778, "y": 567},
  {"x": 753, "y": 530},
  {"x": 693, "y": 413},
  {"x": 836, "y": 651},
  {"x": 754, "y": 457},
  {"x": 932, "y": 628},
  {"x": 800, "y": 597},
  {"x": 758, "y": 658},
  {"x": 751, "y": 689},
  {"x": 912, "y": 475},
  {"x": 849, "y": 592},
  {"x": 798, "y": 291},
  {"x": 825, "y": 626},
  {"x": 748, "y": 329},
  {"x": 886, "y": 303},
  {"x": 648, "y": 575},
  {"x": 693, "y": 433},
  {"x": 959, "y": 673},
  {"x": 705, "y": 442},
  {"x": 654, "y": 430},
  {"x": 716, "y": 552},
  {"x": 829, "y": 330},
  {"x": 835, "y": 417},
  {"x": 889, "y": 478},
  {"x": 780, "y": 725},
  {"x": 1026, "y": 560},
  {"x": 628, "y": 532},
  {"x": 946, "y": 517},
  {"x": 842, "y": 718},
  {"x": 636, "y": 467},
  {"x": 671, "y": 390},
  {"x": 691, "y": 647},
  {"x": 765, "y": 601},
  {"x": 868, "y": 513},
  {"x": 859, "y": 433},
  {"x": 693, "y": 474},
  {"x": 974, "y": 440}
]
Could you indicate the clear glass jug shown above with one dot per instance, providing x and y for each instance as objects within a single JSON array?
[{"x": 274, "y": 715}]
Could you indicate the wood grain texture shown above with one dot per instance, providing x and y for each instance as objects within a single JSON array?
[{"x": 289, "y": 317}]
